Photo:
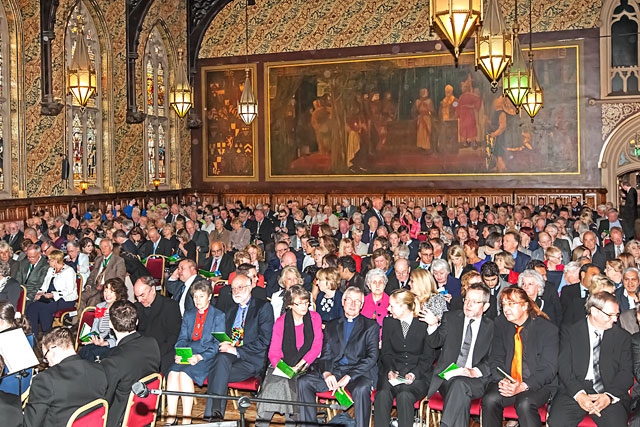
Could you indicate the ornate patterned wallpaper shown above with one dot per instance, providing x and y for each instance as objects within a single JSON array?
[
  {"x": 301, "y": 25},
  {"x": 123, "y": 147}
]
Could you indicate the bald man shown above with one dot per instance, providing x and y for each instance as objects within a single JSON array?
[
  {"x": 219, "y": 260},
  {"x": 155, "y": 245}
]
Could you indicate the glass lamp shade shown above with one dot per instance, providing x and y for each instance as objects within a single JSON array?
[
  {"x": 456, "y": 19},
  {"x": 516, "y": 77},
  {"x": 247, "y": 106},
  {"x": 181, "y": 95},
  {"x": 84, "y": 186},
  {"x": 82, "y": 79},
  {"x": 494, "y": 44},
  {"x": 534, "y": 100},
  {"x": 156, "y": 182}
]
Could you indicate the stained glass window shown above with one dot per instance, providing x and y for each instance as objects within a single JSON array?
[
  {"x": 157, "y": 121},
  {"x": 85, "y": 123}
]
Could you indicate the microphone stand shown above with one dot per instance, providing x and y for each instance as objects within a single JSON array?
[{"x": 244, "y": 402}]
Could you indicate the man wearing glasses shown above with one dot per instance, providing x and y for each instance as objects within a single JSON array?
[
  {"x": 595, "y": 368},
  {"x": 349, "y": 357},
  {"x": 249, "y": 324},
  {"x": 69, "y": 383},
  {"x": 465, "y": 338}
]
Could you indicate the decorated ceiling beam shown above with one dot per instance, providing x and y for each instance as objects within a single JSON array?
[
  {"x": 136, "y": 10},
  {"x": 49, "y": 106}
]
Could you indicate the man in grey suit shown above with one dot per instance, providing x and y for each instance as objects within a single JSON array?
[
  {"x": 106, "y": 266},
  {"x": 32, "y": 270},
  {"x": 465, "y": 338},
  {"x": 199, "y": 237}
]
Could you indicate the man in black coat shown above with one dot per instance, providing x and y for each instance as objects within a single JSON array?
[
  {"x": 574, "y": 297},
  {"x": 465, "y": 338},
  {"x": 219, "y": 260},
  {"x": 132, "y": 359},
  {"x": 347, "y": 360},
  {"x": 179, "y": 284},
  {"x": 627, "y": 294},
  {"x": 252, "y": 321},
  {"x": 68, "y": 384},
  {"x": 595, "y": 368},
  {"x": 155, "y": 245},
  {"x": 349, "y": 276},
  {"x": 158, "y": 318},
  {"x": 630, "y": 210}
]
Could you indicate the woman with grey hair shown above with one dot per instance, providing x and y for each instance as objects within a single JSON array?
[
  {"x": 376, "y": 303},
  {"x": 448, "y": 285},
  {"x": 545, "y": 297},
  {"x": 9, "y": 287}
]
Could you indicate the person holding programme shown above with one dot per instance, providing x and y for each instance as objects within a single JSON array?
[
  {"x": 406, "y": 361},
  {"x": 197, "y": 325},
  {"x": 58, "y": 292},
  {"x": 297, "y": 341}
]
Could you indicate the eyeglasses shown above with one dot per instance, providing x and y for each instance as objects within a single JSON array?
[
  {"x": 350, "y": 301},
  {"x": 614, "y": 315},
  {"x": 471, "y": 301},
  {"x": 44, "y": 358},
  {"x": 512, "y": 303},
  {"x": 238, "y": 288},
  {"x": 301, "y": 304}
]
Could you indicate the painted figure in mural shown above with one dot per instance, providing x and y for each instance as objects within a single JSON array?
[
  {"x": 378, "y": 120},
  {"x": 497, "y": 127},
  {"x": 469, "y": 106},
  {"x": 353, "y": 142},
  {"x": 320, "y": 121},
  {"x": 448, "y": 135},
  {"x": 389, "y": 113},
  {"x": 423, "y": 108}
]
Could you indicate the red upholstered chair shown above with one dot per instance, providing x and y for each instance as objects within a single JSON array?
[
  {"x": 587, "y": 422},
  {"x": 314, "y": 230},
  {"x": 93, "y": 414},
  {"x": 250, "y": 384},
  {"x": 436, "y": 403},
  {"x": 141, "y": 411},
  {"x": 87, "y": 316},
  {"x": 22, "y": 300},
  {"x": 71, "y": 310},
  {"x": 155, "y": 265},
  {"x": 422, "y": 237},
  {"x": 325, "y": 396}
]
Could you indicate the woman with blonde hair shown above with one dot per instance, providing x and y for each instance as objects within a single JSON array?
[
  {"x": 424, "y": 287},
  {"x": 601, "y": 283},
  {"x": 405, "y": 354},
  {"x": 613, "y": 271},
  {"x": 505, "y": 262},
  {"x": 458, "y": 261},
  {"x": 329, "y": 299},
  {"x": 553, "y": 259},
  {"x": 347, "y": 248}
]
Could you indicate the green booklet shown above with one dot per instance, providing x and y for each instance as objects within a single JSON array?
[
  {"x": 343, "y": 398},
  {"x": 221, "y": 337},
  {"x": 449, "y": 368},
  {"x": 174, "y": 258},
  {"x": 185, "y": 354},
  {"x": 208, "y": 274},
  {"x": 284, "y": 370},
  {"x": 86, "y": 333}
]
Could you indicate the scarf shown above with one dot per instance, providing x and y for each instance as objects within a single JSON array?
[{"x": 290, "y": 353}]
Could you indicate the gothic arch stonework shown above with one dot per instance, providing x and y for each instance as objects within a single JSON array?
[{"x": 615, "y": 157}]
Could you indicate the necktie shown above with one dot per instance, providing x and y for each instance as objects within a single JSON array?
[
  {"x": 155, "y": 246},
  {"x": 405, "y": 328},
  {"x": 29, "y": 273},
  {"x": 597, "y": 379},
  {"x": 371, "y": 237},
  {"x": 214, "y": 264},
  {"x": 618, "y": 250},
  {"x": 258, "y": 228},
  {"x": 516, "y": 363},
  {"x": 178, "y": 294},
  {"x": 466, "y": 346}
]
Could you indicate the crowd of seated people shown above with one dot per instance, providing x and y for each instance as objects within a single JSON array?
[{"x": 518, "y": 304}]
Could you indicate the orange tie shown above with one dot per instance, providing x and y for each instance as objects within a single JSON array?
[{"x": 516, "y": 363}]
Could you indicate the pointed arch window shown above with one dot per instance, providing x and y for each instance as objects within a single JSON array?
[
  {"x": 619, "y": 48},
  {"x": 84, "y": 123},
  {"x": 157, "y": 120}
]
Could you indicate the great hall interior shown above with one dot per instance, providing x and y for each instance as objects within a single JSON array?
[{"x": 325, "y": 74}]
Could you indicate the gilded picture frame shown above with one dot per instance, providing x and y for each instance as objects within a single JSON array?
[
  {"x": 230, "y": 147},
  {"x": 365, "y": 118}
]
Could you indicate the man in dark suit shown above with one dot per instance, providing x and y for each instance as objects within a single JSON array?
[
  {"x": 179, "y": 284},
  {"x": 465, "y": 338},
  {"x": 627, "y": 294},
  {"x": 132, "y": 359},
  {"x": 219, "y": 260},
  {"x": 349, "y": 276},
  {"x": 613, "y": 220},
  {"x": 412, "y": 244},
  {"x": 10, "y": 408},
  {"x": 14, "y": 237},
  {"x": 69, "y": 383},
  {"x": 450, "y": 220},
  {"x": 532, "y": 363},
  {"x": 375, "y": 211},
  {"x": 155, "y": 245},
  {"x": 349, "y": 357},
  {"x": 284, "y": 223},
  {"x": 158, "y": 318},
  {"x": 511, "y": 243},
  {"x": 262, "y": 228},
  {"x": 595, "y": 368},
  {"x": 199, "y": 237},
  {"x": 126, "y": 245},
  {"x": 32, "y": 270},
  {"x": 249, "y": 322},
  {"x": 174, "y": 215},
  {"x": 616, "y": 246},
  {"x": 630, "y": 210},
  {"x": 598, "y": 258},
  {"x": 399, "y": 277},
  {"x": 574, "y": 296}
]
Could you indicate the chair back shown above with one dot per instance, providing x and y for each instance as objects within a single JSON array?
[
  {"x": 141, "y": 411},
  {"x": 79, "y": 285},
  {"x": 93, "y": 414},
  {"x": 87, "y": 316},
  {"x": 155, "y": 265},
  {"x": 22, "y": 300}
]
